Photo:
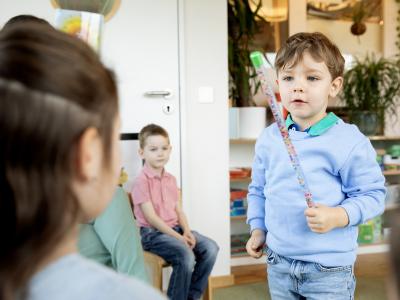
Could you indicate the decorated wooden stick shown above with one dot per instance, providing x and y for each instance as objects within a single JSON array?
[{"x": 259, "y": 63}]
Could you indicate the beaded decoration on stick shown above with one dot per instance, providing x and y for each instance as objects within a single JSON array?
[{"x": 260, "y": 64}]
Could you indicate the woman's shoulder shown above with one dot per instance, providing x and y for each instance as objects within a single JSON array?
[{"x": 75, "y": 277}]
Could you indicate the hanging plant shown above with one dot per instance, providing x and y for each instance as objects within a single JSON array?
[
  {"x": 359, "y": 14},
  {"x": 361, "y": 11}
]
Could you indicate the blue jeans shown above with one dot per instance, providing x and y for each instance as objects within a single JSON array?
[
  {"x": 190, "y": 268},
  {"x": 294, "y": 279}
]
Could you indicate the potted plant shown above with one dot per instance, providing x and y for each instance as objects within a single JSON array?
[
  {"x": 371, "y": 89},
  {"x": 242, "y": 27}
]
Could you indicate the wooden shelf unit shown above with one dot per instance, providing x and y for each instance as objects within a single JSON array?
[
  {"x": 363, "y": 249},
  {"x": 240, "y": 218},
  {"x": 391, "y": 172},
  {"x": 384, "y": 138},
  {"x": 386, "y": 173},
  {"x": 373, "y": 264},
  {"x": 372, "y": 138},
  {"x": 241, "y": 179},
  {"x": 242, "y": 141}
]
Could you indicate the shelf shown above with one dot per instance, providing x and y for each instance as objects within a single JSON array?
[
  {"x": 242, "y": 179},
  {"x": 384, "y": 138},
  {"x": 391, "y": 172},
  {"x": 242, "y": 141},
  {"x": 245, "y": 259},
  {"x": 372, "y": 138},
  {"x": 391, "y": 207},
  {"x": 374, "y": 248},
  {"x": 246, "y": 179},
  {"x": 244, "y": 217}
]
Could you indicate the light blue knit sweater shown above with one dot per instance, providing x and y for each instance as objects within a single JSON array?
[{"x": 341, "y": 169}]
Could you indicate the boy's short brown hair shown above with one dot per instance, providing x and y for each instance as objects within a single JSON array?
[
  {"x": 151, "y": 130},
  {"x": 317, "y": 45}
]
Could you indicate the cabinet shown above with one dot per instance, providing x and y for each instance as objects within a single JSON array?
[{"x": 241, "y": 155}]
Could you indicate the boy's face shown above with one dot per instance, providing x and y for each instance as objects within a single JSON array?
[
  {"x": 305, "y": 89},
  {"x": 156, "y": 151}
]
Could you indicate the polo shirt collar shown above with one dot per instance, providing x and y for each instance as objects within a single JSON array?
[
  {"x": 318, "y": 128},
  {"x": 151, "y": 173}
]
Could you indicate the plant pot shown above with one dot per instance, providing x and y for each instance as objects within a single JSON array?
[
  {"x": 366, "y": 121},
  {"x": 358, "y": 28},
  {"x": 252, "y": 121}
]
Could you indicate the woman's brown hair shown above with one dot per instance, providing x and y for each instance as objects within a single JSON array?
[{"x": 52, "y": 87}]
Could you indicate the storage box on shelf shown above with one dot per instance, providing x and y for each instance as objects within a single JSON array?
[
  {"x": 240, "y": 178},
  {"x": 241, "y": 156}
]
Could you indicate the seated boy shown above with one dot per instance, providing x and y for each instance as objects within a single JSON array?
[{"x": 164, "y": 227}]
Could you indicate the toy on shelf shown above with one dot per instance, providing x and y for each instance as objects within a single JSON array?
[
  {"x": 238, "y": 244},
  {"x": 370, "y": 232},
  {"x": 380, "y": 154},
  {"x": 238, "y": 202},
  {"x": 236, "y": 173},
  {"x": 391, "y": 160}
]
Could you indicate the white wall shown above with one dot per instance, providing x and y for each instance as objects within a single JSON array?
[
  {"x": 339, "y": 32},
  {"x": 39, "y": 8},
  {"x": 390, "y": 8},
  {"x": 297, "y": 16},
  {"x": 205, "y": 137},
  {"x": 378, "y": 38}
]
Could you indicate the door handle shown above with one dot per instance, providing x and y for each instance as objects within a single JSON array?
[{"x": 165, "y": 93}]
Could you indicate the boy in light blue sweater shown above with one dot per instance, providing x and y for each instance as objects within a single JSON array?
[{"x": 311, "y": 251}]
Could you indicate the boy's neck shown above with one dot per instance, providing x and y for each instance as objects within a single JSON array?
[
  {"x": 158, "y": 171},
  {"x": 305, "y": 124}
]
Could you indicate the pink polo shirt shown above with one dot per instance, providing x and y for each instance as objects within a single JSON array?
[{"x": 161, "y": 191}]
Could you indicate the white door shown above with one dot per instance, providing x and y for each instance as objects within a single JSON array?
[{"x": 140, "y": 42}]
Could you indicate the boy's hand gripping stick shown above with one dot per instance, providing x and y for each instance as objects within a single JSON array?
[{"x": 260, "y": 64}]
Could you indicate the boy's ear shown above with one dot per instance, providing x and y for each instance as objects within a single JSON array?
[
  {"x": 140, "y": 152},
  {"x": 336, "y": 86},
  {"x": 89, "y": 155}
]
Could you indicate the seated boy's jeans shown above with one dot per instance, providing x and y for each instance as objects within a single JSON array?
[
  {"x": 191, "y": 268},
  {"x": 293, "y": 279}
]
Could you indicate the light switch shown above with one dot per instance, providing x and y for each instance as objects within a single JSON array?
[{"x": 206, "y": 94}]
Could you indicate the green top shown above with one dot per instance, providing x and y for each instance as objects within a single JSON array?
[
  {"x": 113, "y": 239},
  {"x": 320, "y": 127}
]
